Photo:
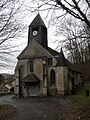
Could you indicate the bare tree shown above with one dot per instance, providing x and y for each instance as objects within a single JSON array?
[
  {"x": 77, "y": 43},
  {"x": 10, "y": 28},
  {"x": 77, "y": 8}
]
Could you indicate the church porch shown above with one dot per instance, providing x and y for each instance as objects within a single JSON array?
[{"x": 31, "y": 85}]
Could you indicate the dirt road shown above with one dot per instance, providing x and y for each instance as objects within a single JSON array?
[{"x": 44, "y": 108}]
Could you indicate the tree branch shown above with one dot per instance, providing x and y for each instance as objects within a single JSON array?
[{"x": 83, "y": 17}]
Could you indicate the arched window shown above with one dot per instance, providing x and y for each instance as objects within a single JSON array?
[
  {"x": 52, "y": 76},
  {"x": 30, "y": 66}
]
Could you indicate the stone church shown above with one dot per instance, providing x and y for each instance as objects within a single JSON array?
[{"x": 42, "y": 71}]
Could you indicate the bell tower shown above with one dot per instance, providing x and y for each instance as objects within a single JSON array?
[{"x": 38, "y": 31}]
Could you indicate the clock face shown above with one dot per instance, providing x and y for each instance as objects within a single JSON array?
[{"x": 35, "y": 32}]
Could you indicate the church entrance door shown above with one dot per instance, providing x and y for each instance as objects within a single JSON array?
[{"x": 33, "y": 90}]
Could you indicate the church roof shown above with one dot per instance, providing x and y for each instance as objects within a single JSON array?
[
  {"x": 34, "y": 50},
  {"x": 31, "y": 78},
  {"x": 37, "y": 21},
  {"x": 61, "y": 60},
  {"x": 53, "y": 52}
]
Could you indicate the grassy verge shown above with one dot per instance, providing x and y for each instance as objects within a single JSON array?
[
  {"x": 81, "y": 104},
  {"x": 6, "y": 110}
]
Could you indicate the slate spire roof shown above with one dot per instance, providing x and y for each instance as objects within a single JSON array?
[
  {"x": 61, "y": 60},
  {"x": 37, "y": 21}
]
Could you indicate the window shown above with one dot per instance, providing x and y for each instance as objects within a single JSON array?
[
  {"x": 50, "y": 61},
  {"x": 31, "y": 66},
  {"x": 52, "y": 76}
]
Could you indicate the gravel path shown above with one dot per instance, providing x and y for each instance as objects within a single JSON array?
[{"x": 45, "y": 108}]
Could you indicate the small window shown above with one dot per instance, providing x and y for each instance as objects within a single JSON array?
[
  {"x": 50, "y": 62},
  {"x": 31, "y": 66}
]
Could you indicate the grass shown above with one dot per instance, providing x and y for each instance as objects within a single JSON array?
[
  {"x": 5, "y": 110},
  {"x": 81, "y": 104},
  {"x": 81, "y": 97}
]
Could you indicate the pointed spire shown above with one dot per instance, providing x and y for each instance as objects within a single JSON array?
[
  {"x": 61, "y": 60},
  {"x": 37, "y": 21},
  {"x": 61, "y": 53}
]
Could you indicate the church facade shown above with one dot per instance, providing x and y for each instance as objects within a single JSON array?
[{"x": 42, "y": 71}]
